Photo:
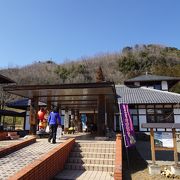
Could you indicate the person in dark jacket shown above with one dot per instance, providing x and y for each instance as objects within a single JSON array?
[{"x": 54, "y": 120}]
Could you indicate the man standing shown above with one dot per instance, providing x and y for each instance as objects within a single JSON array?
[{"x": 54, "y": 120}]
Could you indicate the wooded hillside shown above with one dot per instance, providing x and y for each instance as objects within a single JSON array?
[{"x": 117, "y": 67}]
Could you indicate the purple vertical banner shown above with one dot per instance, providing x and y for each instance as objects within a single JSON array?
[{"x": 127, "y": 126}]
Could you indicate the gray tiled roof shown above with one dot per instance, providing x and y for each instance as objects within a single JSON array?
[
  {"x": 143, "y": 95},
  {"x": 149, "y": 77}
]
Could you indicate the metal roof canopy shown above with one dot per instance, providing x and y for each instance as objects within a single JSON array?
[
  {"x": 22, "y": 104},
  {"x": 4, "y": 80},
  {"x": 82, "y": 96},
  {"x": 161, "y": 125}
]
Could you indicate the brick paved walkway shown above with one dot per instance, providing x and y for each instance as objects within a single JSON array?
[
  {"x": 10, "y": 142},
  {"x": 12, "y": 163}
]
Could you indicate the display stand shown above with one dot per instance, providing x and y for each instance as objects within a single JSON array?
[{"x": 154, "y": 148}]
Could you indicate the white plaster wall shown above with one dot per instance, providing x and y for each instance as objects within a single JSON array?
[
  {"x": 142, "y": 119},
  {"x": 177, "y": 120},
  {"x": 164, "y": 85},
  {"x": 177, "y": 117},
  {"x": 177, "y": 111},
  {"x": 27, "y": 124}
]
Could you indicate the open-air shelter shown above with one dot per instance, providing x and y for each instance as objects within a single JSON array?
[
  {"x": 97, "y": 97},
  {"x": 5, "y": 80}
]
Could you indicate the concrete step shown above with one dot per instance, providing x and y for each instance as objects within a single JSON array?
[
  {"x": 91, "y": 160},
  {"x": 94, "y": 149},
  {"x": 93, "y": 155},
  {"x": 96, "y": 156},
  {"x": 83, "y": 175},
  {"x": 89, "y": 167}
]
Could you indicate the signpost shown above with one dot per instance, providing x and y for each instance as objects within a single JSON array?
[{"x": 166, "y": 141}]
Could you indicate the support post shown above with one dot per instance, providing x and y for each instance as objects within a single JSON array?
[
  {"x": 175, "y": 146},
  {"x": 101, "y": 116},
  {"x": 152, "y": 145},
  {"x": 49, "y": 105},
  {"x": 33, "y": 115},
  {"x": 66, "y": 121}
]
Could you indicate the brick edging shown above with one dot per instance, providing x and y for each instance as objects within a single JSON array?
[
  {"x": 118, "y": 158},
  {"x": 16, "y": 146},
  {"x": 48, "y": 165},
  {"x": 3, "y": 135}
]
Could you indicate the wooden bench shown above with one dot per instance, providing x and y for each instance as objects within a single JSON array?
[{"x": 13, "y": 135}]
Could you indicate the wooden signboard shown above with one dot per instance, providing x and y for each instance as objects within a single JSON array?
[{"x": 172, "y": 126}]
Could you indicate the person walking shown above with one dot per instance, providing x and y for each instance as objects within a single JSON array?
[{"x": 54, "y": 120}]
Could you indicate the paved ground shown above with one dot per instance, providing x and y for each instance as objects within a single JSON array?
[
  {"x": 12, "y": 163},
  {"x": 9, "y": 142}
]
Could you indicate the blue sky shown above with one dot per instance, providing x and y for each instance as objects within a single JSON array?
[{"x": 39, "y": 30}]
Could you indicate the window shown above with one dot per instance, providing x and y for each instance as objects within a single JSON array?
[
  {"x": 159, "y": 111},
  {"x": 134, "y": 116},
  {"x": 159, "y": 119},
  {"x": 163, "y": 115},
  {"x": 150, "y": 111},
  {"x": 135, "y": 122},
  {"x": 150, "y": 118},
  {"x": 168, "y": 115},
  {"x": 157, "y": 86}
]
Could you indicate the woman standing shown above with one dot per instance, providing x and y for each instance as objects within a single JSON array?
[{"x": 54, "y": 120}]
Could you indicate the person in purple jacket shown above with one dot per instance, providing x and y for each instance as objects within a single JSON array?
[{"x": 54, "y": 120}]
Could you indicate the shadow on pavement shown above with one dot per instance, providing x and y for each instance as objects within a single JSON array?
[{"x": 136, "y": 162}]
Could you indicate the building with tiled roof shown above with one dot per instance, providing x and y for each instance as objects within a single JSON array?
[
  {"x": 146, "y": 103},
  {"x": 153, "y": 81},
  {"x": 142, "y": 95}
]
